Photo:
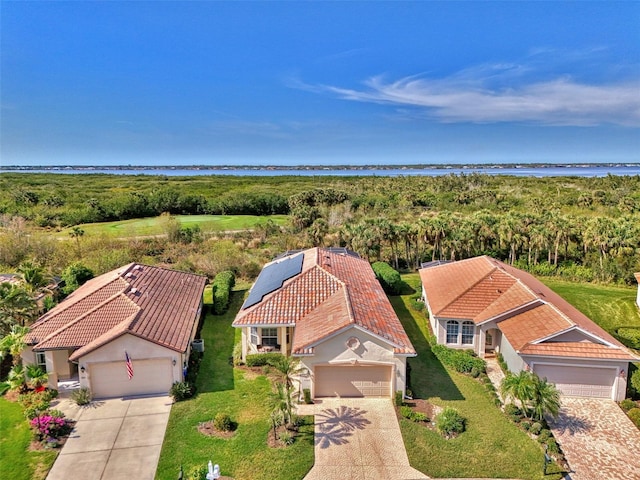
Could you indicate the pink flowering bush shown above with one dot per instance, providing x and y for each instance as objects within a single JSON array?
[{"x": 48, "y": 427}]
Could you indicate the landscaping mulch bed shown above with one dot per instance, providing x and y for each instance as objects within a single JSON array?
[
  {"x": 276, "y": 442},
  {"x": 422, "y": 406},
  {"x": 207, "y": 428}
]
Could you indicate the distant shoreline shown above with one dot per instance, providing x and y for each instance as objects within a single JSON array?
[{"x": 443, "y": 166}]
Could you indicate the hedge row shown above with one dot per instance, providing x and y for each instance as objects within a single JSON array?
[
  {"x": 261, "y": 359},
  {"x": 388, "y": 278},
  {"x": 222, "y": 284},
  {"x": 460, "y": 360}
]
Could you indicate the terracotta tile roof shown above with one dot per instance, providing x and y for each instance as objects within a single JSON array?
[
  {"x": 534, "y": 324},
  {"x": 578, "y": 350},
  {"x": 334, "y": 290},
  {"x": 156, "y": 304},
  {"x": 482, "y": 289}
]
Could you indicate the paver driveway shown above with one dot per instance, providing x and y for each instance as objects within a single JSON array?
[
  {"x": 358, "y": 439},
  {"x": 598, "y": 440},
  {"x": 115, "y": 439}
]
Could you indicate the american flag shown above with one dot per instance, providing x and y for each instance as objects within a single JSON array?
[{"x": 127, "y": 359}]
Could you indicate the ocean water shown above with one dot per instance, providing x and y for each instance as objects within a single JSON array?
[{"x": 520, "y": 170}]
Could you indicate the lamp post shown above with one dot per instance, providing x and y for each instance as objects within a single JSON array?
[{"x": 547, "y": 461}]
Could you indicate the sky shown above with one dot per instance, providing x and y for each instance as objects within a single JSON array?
[{"x": 318, "y": 83}]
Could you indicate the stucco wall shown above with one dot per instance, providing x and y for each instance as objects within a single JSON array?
[
  {"x": 137, "y": 348},
  {"x": 572, "y": 336},
  {"x": 513, "y": 360},
  {"x": 371, "y": 350}
]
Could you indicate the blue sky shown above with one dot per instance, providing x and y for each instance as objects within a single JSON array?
[{"x": 94, "y": 83}]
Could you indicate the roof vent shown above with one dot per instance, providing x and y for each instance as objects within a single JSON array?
[
  {"x": 138, "y": 267},
  {"x": 134, "y": 290},
  {"x": 128, "y": 275}
]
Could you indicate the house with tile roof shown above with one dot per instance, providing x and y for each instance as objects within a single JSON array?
[
  {"x": 488, "y": 306},
  {"x": 326, "y": 307},
  {"x": 149, "y": 314}
]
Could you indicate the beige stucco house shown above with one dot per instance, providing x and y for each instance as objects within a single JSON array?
[
  {"x": 637, "y": 275},
  {"x": 148, "y": 313},
  {"x": 326, "y": 307},
  {"x": 487, "y": 306}
]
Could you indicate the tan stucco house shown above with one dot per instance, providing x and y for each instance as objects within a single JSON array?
[
  {"x": 326, "y": 307},
  {"x": 148, "y": 312},
  {"x": 637, "y": 275},
  {"x": 489, "y": 306}
]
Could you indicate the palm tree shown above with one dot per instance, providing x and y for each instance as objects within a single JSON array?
[
  {"x": 545, "y": 398},
  {"x": 288, "y": 367},
  {"x": 282, "y": 400},
  {"x": 14, "y": 343},
  {"x": 77, "y": 232},
  {"x": 32, "y": 276},
  {"x": 519, "y": 387},
  {"x": 37, "y": 376},
  {"x": 16, "y": 307}
]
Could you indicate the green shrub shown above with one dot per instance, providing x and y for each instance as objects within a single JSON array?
[
  {"x": 222, "y": 284},
  {"x": 635, "y": 380},
  {"x": 398, "y": 399},
  {"x": 419, "y": 417},
  {"x": 526, "y": 425},
  {"x": 627, "y": 404},
  {"x": 544, "y": 435},
  {"x": 260, "y": 359},
  {"x": 416, "y": 305},
  {"x": 406, "y": 411},
  {"x": 634, "y": 415},
  {"x": 475, "y": 373},
  {"x": 389, "y": 279},
  {"x": 536, "y": 427},
  {"x": 630, "y": 336},
  {"x": 307, "y": 396},
  {"x": 286, "y": 438},
  {"x": 512, "y": 409},
  {"x": 181, "y": 391},
  {"x": 450, "y": 423},
  {"x": 552, "y": 446},
  {"x": 82, "y": 396},
  {"x": 460, "y": 360},
  {"x": 222, "y": 422},
  {"x": 34, "y": 403},
  {"x": 237, "y": 354}
]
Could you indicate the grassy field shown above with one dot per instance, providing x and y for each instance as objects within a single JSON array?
[
  {"x": 16, "y": 461},
  {"x": 225, "y": 389},
  {"x": 492, "y": 446},
  {"x": 609, "y": 306},
  {"x": 154, "y": 225}
]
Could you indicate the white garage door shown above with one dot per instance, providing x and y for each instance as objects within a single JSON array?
[
  {"x": 579, "y": 381},
  {"x": 110, "y": 379},
  {"x": 352, "y": 381}
]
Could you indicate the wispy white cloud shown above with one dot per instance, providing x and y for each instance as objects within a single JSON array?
[{"x": 501, "y": 93}]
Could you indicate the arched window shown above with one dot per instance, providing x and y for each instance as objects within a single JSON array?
[
  {"x": 468, "y": 332},
  {"x": 452, "y": 331}
]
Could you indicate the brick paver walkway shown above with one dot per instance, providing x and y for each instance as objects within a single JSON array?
[{"x": 598, "y": 440}]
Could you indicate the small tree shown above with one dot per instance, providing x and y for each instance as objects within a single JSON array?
[
  {"x": 36, "y": 375},
  {"x": 14, "y": 343},
  {"x": 282, "y": 400},
  {"x": 545, "y": 398},
  {"x": 288, "y": 367},
  {"x": 519, "y": 387},
  {"x": 75, "y": 275},
  {"x": 77, "y": 233},
  {"x": 16, "y": 307}
]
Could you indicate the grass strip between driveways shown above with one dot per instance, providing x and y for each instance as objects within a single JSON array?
[
  {"x": 16, "y": 461},
  {"x": 491, "y": 447},
  {"x": 244, "y": 396}
]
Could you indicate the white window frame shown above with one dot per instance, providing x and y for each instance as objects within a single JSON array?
[
  {"x": 466, "y": 335},
  {"x": 41, "y": 360},
  {"x": 253, "y": 336},
  {"x": 271, "y": 335},
  {"x": 450, "y": 334}
]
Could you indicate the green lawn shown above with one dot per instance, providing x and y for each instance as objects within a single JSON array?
[
  {"x": 154, "y": 225},
  {"x": 225, "y": 389},
  {"x": 492, "y": 446},
  {"x": 609, "y": 306},
  {"x": 16, "y": 461}
]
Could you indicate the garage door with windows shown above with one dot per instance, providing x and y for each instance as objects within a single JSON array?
[
  {"x": 577, "y": 381},
  {"x": 110, "y": 379},
  {"x": 353, "y": 381}
]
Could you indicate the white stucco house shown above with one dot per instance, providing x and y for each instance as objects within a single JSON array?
[
  {"x": 326, "y": 307},
  {"x": 487, "y": 306},
  {"x": 147, "y": 313}
]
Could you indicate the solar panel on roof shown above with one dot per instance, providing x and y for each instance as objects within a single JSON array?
[{"x": 272, "y": 277}]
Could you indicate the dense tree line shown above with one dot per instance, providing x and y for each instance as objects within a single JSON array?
[{"x": 583, "y": 228}]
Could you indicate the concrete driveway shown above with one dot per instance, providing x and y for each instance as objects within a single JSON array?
[
  {"x": 114, "y": 439},
  {"x": 598, "y": 440},
  {"x": 358, "y": 439}
]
